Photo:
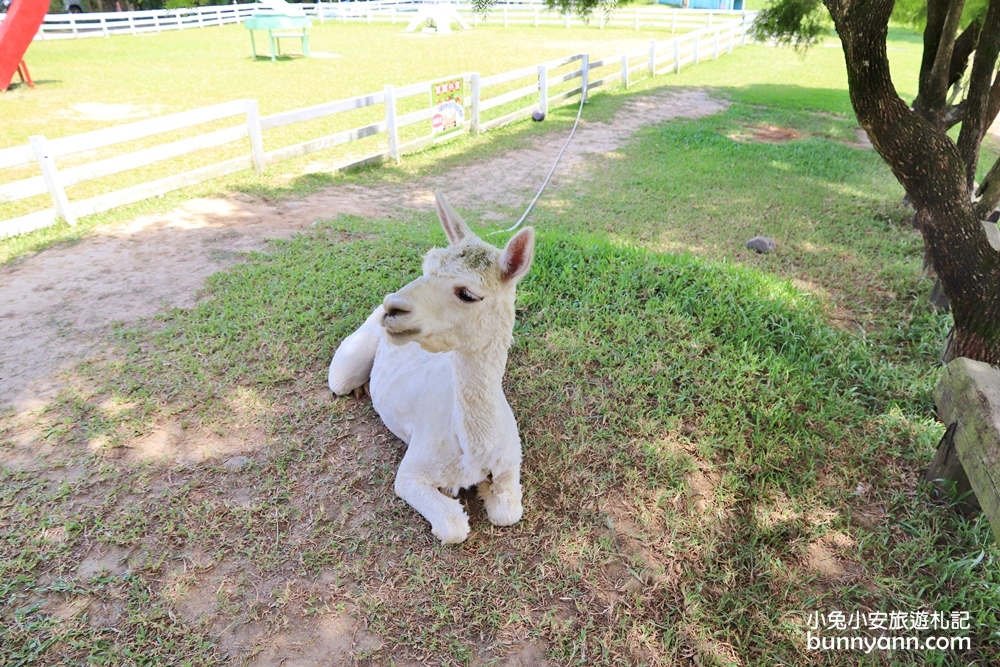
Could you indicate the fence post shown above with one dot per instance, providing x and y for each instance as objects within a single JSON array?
[
  {"x": 72, "y": 23},
  {"x": 392, "y": 13},
  {"x": 586, "y": 76},
  {"x": 743, "y": 31},
  {"x": 390, "y": 124},
  {"x": 131, "y": 23},
  {"x": 475, "y": 104},
  {"x": 715, "y": 50},
  {"x": 256, "y": 137},
  {"x": 624, "y": 71},
  {"x": 673, "y": 21},
  {"x": 51, "y": 176},
  {"x": 677, "y": 55},
  {"x": 201, "y": 19},
  {"x": 567, "y": 19},
  {"x": 732, "y": 38},
  {"x": 156, "y": 22},
  {"x": 710, "y": 19},
  {"x": 104, "y": 28},
  {"x": 218, "y": 15},
  {"x": 505, "y": 16},
  {"x": 543, "y": 89},
  {"x": 652, "y": 57},
  {"x": 695, "y": 58}
]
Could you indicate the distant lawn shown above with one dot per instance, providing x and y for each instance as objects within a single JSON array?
[
  {"x": 717, "y": 444},
  {"x": 88, "y": 84}
]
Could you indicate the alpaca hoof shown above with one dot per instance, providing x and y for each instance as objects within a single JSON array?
[
  {"x": 502, "y": 509},
  {"x": 362, "y": 391},
  {"x": 505, "y": 514},
  {"x": 454, "y": 530}
]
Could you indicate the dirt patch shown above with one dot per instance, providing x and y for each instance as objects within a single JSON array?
[
  {"x": 862, "y": 140},
  {"x": 770, "y": 134},
  {"x": 331, "y": 640},
  {"x": 58, "y": 305},
  {"x": 112, "y": 561}
]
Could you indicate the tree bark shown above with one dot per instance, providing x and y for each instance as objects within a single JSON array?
[
  {"x": 977, "y": 118},
  {"x": 928, "y": 164}
]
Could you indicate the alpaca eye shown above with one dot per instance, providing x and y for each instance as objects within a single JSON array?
[{"x": 466, "y": 296}]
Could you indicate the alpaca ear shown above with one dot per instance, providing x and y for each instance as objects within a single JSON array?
[
  {"x": 517, "y": 254},
  {"x": 454, "y": 227}
]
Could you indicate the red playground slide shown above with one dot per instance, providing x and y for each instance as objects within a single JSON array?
[{"x": 16, "y": 32}]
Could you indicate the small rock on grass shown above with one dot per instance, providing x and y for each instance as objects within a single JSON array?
[
  {"x": 236, "y": 463},
  {"x": 762, "y": 244}
]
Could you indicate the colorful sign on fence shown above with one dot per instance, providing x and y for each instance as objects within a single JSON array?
[{"x": 448, "y": 106}]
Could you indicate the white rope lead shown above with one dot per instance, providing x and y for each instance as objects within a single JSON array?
[{"x": 551, "y": 171}]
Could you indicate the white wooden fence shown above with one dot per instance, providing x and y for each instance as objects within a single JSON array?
[
  {"x": 522, "y": 12},
  {"x": 486, "y": 94}
]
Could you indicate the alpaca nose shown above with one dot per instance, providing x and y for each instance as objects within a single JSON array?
[{"x": 395, "y": 306}]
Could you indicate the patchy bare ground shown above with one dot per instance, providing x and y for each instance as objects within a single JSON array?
[
  {"x": 57, "y": 309},
  {"x": 57, "y": 305}
]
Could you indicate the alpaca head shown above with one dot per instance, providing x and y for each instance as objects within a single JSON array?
[{"x": 465, "y": 298}]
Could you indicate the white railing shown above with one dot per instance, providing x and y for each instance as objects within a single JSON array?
[
  {"x": 497, "y": 94},
  {"x": 528, "y": 12}
]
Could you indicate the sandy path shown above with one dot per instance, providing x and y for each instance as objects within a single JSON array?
[{"x": 56, "y": 307}]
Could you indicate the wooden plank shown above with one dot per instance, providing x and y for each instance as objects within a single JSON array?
[
  {"x": 565, "y": 95},
  {"x": 414, "y": 117},
  {"x": 424, "y": 87},
  {"x": 147, "y": 156},
  {"x": 476, "y": 86},
  {"x": 52, "y": 181},
  {"x": 28, "y": 187},
  {"x": 499, "y": 100},
  {"x": 504, "y": 77},
  {"x": 329, "y": 141},
  {"x": 606, "y": 80},
  {"x": 565, "y": 77},
  {"x": 161, "y": 186},
  {"x": 144, "y": 128},
  {"x": 256, "y": 137},
  {"x": 321, "y": 110},
  {"x": 390, "y": 123},
  {"x": 27, "y": 223},
  {"x": 509, "y": 118},
  {"x": 604, "y": 62},
  {"x": 16, "y": 156},
  {"x": 369, "y": 161}
]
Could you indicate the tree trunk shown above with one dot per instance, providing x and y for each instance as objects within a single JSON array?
[{"x": 928, "y": 164}]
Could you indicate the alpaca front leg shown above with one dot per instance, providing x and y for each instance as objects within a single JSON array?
[
  {"x": 449, "y": 522},
  {"x": 502, "y": 497}
]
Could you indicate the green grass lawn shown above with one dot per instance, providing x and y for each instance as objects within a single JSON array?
[{"x": 716, "y": 443}]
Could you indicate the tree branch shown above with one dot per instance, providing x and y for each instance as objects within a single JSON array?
[
  {"x": 964, "y": 46},
  {"x": 975, "y": 122},
  {"x": 943, "y": 17},
  {"x": 989, "y": 192}
]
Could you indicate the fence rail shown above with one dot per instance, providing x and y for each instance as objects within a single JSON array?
[
  {"x": 485, "y": 94},
  {"x": 79, "y": 26}
]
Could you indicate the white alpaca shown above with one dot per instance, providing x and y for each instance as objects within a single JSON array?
[{"x": 434, "y": 353}]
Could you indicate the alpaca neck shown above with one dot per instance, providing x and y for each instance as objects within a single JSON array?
[{"x": 478, "y": 376}]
